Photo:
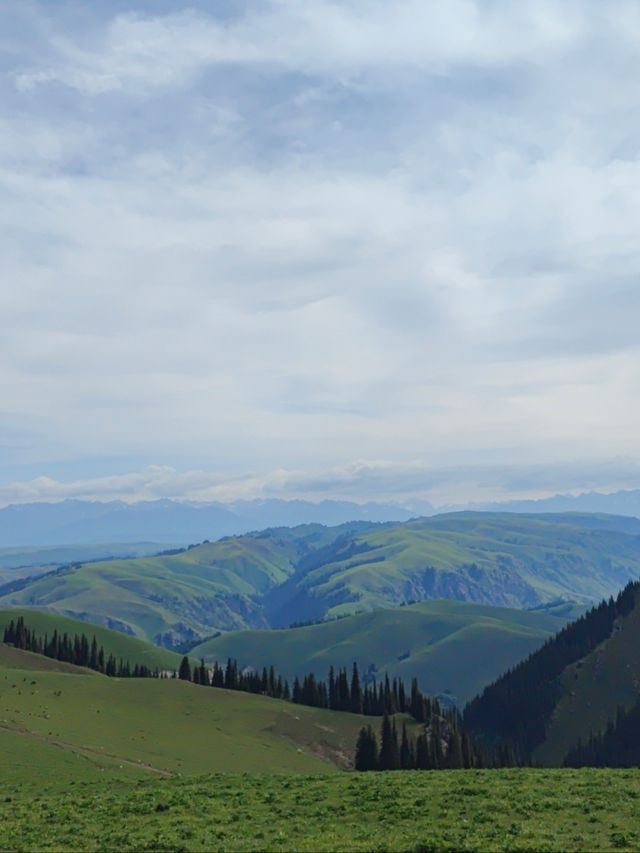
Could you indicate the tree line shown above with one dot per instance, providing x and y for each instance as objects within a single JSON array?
[
  {"x": 516, "y": 709},
  {"x": 76, "y": 649},
  {"x": 339, "y": 692}
]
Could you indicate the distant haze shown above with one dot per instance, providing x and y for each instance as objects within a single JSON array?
[{"x": 165, "y": 521}]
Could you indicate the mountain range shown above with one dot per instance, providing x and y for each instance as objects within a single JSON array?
[
  {"x": 83, "y": 522},
  {"x": 167, "y": 521}
]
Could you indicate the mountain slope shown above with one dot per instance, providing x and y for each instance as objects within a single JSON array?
[
  {"x": 568, "y": 689},
  {"x": 453, "y": 648}
]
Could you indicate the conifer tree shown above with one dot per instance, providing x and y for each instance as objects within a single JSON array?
[
  {"x": 407, "y": 760},
  {"x": 366, "y": 750},
  {"x": 356, "y": 691},
  {"x": 184, "y": 673},
  {"x": 389, "y": 757}
]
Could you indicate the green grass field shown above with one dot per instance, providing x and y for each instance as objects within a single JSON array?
[
  {"x": 452, "y": 647},
  {"x": 447, "y": 810}
]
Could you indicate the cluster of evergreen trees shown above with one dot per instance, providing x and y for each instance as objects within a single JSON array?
[
  {"x": 617, "y": 746},
  {"x": 232, "y": 678},
  {"x": 77, "y": 650},
  {"x": 515, "y": 710},
  {"x": 441, "y": 745}
]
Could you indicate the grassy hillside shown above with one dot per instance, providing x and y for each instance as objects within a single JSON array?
[
  {"x": 114, "y": 642},
  {"x": 452, "y": 810},
  {"x": 285, "y": 575},
  {"x": 451, "y": 647},
  {"x": 505, "y": 559},
  {"x": 161, "y": 726},
  {"x": 171, "y": 598},
  {"x": 168, "y": 597}
]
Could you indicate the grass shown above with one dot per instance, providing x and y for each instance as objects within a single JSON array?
[
  {"x": 114, "y": 642},
  {"x": 162, "y": 726},
  {"x": 452, "y": 647},
  {"x": 447, "y": 810}
]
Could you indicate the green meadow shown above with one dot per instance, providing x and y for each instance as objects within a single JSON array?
[{"x": 552, "y": 810}]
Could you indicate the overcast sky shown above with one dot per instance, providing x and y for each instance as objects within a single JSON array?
[{"x": 373, "y": 250}]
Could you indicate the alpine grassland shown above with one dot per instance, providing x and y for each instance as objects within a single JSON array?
[{"x": 524, "y": 809}]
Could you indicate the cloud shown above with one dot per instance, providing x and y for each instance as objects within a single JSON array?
[
  {"x": 412, "y": 484},
  {"x": 301, "y": 235},
  {"x": 136, "y": 52}
]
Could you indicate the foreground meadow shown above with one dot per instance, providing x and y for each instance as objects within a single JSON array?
[{"x": 446, "y": 810}]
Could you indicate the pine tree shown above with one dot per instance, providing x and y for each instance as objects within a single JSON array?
[
  {"x": 366, "y": 750},
  {"x": 184, "y": 673},
  {"x": 389, "y": 757},
  {"x": 356, "y": 691},
  {"x": 407, "y": 760}
]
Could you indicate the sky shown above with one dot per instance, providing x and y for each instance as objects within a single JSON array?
[{"x": 375, "y": 251}]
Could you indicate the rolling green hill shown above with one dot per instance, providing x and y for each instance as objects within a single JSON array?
[
  {"x": 286, "y": 575},
  {"x": 114, "y": 642},
  {"x": 568, "y": 689},
  {"x": 453, "y": 648},
  {"x": 158, "y": 726}
]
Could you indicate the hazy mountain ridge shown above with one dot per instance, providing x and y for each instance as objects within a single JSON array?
[{"x": 168, "y": 521}]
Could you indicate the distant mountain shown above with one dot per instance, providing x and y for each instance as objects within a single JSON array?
[
  {"x": 625, "y": 502},
  {"x": 453, "y": 648},
  {"x": 569, "y": 690},
  {"x": 84, "y": 522},
  {"x": 311, "y": 572}
]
